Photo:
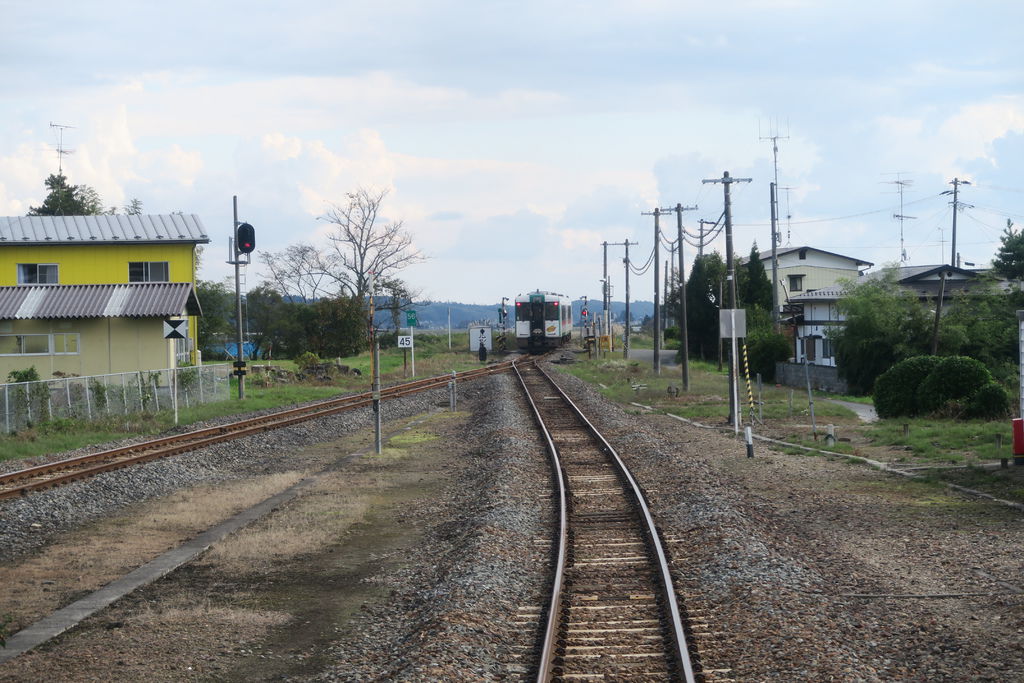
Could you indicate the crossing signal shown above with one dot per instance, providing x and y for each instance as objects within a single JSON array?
[{"x": 245, "y": 238}]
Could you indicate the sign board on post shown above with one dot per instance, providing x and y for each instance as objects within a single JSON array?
[
  {"x": 410, "y": 318},
  {"x": 405, "y": 341},
  {"x": 725, "y": 320},
  {"x": 479, "y": 334},
  {"x": 176, "y": 329}
]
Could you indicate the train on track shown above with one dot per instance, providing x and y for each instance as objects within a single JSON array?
[{"x": 543, "y": 321}]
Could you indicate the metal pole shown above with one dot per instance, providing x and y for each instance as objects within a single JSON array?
[
  {"x": 240, "y": 354},
  {"x": 412, "y": 351},
  {"x": 449, "y": 328},
  {"x": 377, "y": 439}
]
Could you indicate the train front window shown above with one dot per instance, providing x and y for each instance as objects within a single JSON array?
[
  {"x": 550, "y": 310},
  {"x": 522, "y": 312}
]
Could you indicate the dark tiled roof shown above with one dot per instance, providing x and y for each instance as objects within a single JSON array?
[
  {"x": 151, "y": 229},
  {"x": 140, "y": 300}
]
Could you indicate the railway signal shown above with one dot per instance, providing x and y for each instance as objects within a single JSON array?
[{"x": 245, "y": 238}]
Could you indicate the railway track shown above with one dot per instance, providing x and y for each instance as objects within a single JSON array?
[
  {"x": 613, "y": 613},
  {"x": 58, "y": 473}
]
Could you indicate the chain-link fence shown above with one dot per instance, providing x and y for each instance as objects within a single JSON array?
[{"x": 98, "y": 396}]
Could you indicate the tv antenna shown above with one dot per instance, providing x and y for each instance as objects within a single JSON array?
[
  {"x": 774, "y": 136},
  {"x": 789, "y": 217},
  {"x": 900, "y": 184},
  {"x": 61, "y": 152}
]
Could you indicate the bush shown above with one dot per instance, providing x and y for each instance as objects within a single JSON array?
[
  {"x": 953, "y": 378},
  {"x": 307, "y": 361},
  {"x": 990, "y": 402},
  {"x": 27, "y": 375},
  {"x": 671, "y": 334},
  {"x": 895, "y": 392},
  {"x": 764, "y": 349}
]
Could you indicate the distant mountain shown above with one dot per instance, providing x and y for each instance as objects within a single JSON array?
[{"x": 434, "y": 314}]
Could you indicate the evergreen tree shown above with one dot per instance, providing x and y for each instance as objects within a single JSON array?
[
  {"x": 753, "y": 288},
  {"x": 1009, "y": 260},
  {"x": 68, "y": 200},
  {"x": 703, "y": 300}
]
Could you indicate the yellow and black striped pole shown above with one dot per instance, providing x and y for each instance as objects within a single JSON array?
[{"x": 746, "y": 374}]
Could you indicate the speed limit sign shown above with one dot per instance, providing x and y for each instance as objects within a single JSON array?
[{"x": 405, "y": 341}]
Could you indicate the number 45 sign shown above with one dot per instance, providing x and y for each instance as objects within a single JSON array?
[{"x": 405, "y": 341}]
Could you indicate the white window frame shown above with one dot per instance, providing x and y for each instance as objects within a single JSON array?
[
  {"x": 794, "y": 279},
  {"x": 23, "y": 268},
  {"x": 147, "y": 271},
  {"x": 50, "y": 344}
]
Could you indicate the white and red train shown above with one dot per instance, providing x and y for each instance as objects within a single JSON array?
[{"x": 543, "y": 321}]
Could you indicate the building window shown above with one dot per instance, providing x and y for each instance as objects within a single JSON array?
[
  {"x": 148, "y": 271},
  {"x": 65, "y": 344},
  {"x": 39, "y": 344},
  {"x": 803, "y": 254},
  {"x": 826, "y": 348},
  {"x": 37, "y": 273},
  {"x": 796, "y": 283}
]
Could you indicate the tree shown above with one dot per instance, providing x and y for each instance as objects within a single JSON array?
[
  {"x": 703, "y": 301},
  {"x": 1009, "y": 260},
  {"x": 982, "y": 323},
  {"x": 68, "y": 200},
  {"x": 358, "y": 247},
  {"x": 133, "y": 207},
  {"x": 273, "y": 323},
  {"x": 216, "y": 324},
  {"x": 753, "y": 288},
  {"x": 885, "y": 323}
]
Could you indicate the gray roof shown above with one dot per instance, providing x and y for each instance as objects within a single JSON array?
[
  {"x": 779, "y": 251},
  {"x": 154, "y": 229},
  {"x": 137, "y": 300}
]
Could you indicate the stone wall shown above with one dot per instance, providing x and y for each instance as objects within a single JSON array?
[{"x": 823, "y": 377}]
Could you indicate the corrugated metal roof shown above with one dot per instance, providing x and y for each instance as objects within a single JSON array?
[
  {"x": 99, "y": 229},
  {"x": 139, "y": 300}
]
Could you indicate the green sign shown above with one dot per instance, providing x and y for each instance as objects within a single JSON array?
[{"x": 410, "y": 318}]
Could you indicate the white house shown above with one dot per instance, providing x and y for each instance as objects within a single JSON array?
[
  {"x": 807, "y": 269},
  {"x": 813, "y": 313}
]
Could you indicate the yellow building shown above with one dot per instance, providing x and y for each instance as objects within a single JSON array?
[{"x": 88, "y": 295}]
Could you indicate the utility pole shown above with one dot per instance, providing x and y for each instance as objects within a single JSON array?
[
  {"x": 657, "y": 306},
  {"x": 956, "y": 183},
  {"x": 606, "y": 301},
  {"x": 773, "y": 198},
  {"x": 700, "y": 244},
  {"x": 684, "y": 342},
  {"x": 773, "y": 190},
  {"x": 625, "y": 341},
  {"x": 727, "y": 181}
]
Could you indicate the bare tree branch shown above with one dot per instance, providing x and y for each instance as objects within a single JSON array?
[{"x": 360, "y": 246}]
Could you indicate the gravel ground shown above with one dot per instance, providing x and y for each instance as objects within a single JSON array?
[{"x": 791, "y": 567}]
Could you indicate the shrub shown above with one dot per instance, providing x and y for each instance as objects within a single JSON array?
[
  {"x": 764, "y": 349},
  {"x": 671, "y": 334},
  {"x": 990, "y": 402},
  {"x": 953, "y": 378},
  {"x": 306, "y": 361},
  {"x": 895, "y": 392},
  {"x": 27, "y": 375}
]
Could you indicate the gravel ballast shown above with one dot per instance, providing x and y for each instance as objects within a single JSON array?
[{"x": 792, "y": 567}]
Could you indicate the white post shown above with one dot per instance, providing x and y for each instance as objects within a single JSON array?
[
  {"x": 449, "y": 328},
  {"x": 412, "y": 351},
  {"x": 174, "y": 392}
]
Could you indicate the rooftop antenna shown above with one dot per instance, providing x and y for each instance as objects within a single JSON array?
[
  {"x": 60, "y": 146},
  {"x": 789, "y": 217},
  {"x": 773, "y": 130},
  {"x": 900, "y": 184}
]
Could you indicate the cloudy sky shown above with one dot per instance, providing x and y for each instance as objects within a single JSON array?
[{"x": 515, "y": 137}]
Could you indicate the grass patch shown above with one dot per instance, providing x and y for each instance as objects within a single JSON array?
[{"x": 944, "y": 441}]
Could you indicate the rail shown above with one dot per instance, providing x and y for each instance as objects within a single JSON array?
[
  {"x": 553, "y": 625},
  {"x": 71, "y": 469}
]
